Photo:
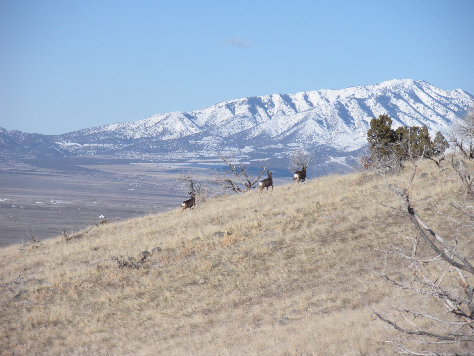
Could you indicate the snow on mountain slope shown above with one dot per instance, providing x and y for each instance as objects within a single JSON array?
[
  {"x": 332, "y": 124},
  {"x": 337, "y": 118}
]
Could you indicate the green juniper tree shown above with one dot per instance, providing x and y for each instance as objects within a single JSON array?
[
  {"x": 388, "y": 147},
  {"x": 440, "y": 144},
  {"x": 413, "y": 141},
  {"x": 381, "y": 137}
]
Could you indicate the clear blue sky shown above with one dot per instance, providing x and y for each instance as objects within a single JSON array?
[{"x": 67, "y": 65}]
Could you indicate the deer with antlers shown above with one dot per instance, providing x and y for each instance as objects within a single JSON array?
[
  {"x": 188, "y": 180},
  {"x": 300, "y": 176},
  {"x": 265, "y": 183},
  {"x": 299, "y": 159}
]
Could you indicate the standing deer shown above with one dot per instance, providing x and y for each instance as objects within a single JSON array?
[
  {"x": 265, "y": 183},
  {"x": 300, "y": 176},
  {"x": 190, "y": 202}
]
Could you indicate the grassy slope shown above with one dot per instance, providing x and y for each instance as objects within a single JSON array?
[{"x": 283, "y": 271}]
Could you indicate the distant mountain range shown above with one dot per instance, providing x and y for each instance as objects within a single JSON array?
[{"x": 331, "y": 124}]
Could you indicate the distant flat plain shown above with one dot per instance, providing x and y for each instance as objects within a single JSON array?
[{"x": 42, "y": 197}]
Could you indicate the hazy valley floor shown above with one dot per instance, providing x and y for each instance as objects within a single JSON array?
[
  {"x": 289, "y": 271},
  {"x": 45, "y": 197}
]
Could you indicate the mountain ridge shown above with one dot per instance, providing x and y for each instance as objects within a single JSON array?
[
  {"x": 272, "y": 106},
  {"x": 268, "y": 126}
]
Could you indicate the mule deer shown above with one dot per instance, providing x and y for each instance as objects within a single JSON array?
[
  {"x": 189, "y": 203},
  {"x": 300, "y": 176},
  {"x": 267, "y": 182}
]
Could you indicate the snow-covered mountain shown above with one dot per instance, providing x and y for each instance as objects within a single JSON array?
[{"x": 330, "y": 123}]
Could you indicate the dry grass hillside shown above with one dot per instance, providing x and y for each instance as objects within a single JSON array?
[{"x": 289, "y": 271}]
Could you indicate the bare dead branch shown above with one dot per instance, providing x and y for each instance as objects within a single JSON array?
[
  {"x": 462, "y": 137},
  {"x": 431, "y": 317},
  {"x": 258, "y": 178},
  {"x": 455, "y": 323},
  {"x": 230, "y": 184},
  {"x": 449, "y": 337},
  {"x": 421, "y": 227},
  {"x": 404, "y": 350},
  {"x": 298, "y": 159},
  {"x": 466, "y": 176},
  {"x": 432, "y": 292},
  {"x": 240, "y": 175},
  {"x": 410, "y": 258}
]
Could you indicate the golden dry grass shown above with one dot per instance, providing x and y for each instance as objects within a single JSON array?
[{"x": 291, "y": 271}]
